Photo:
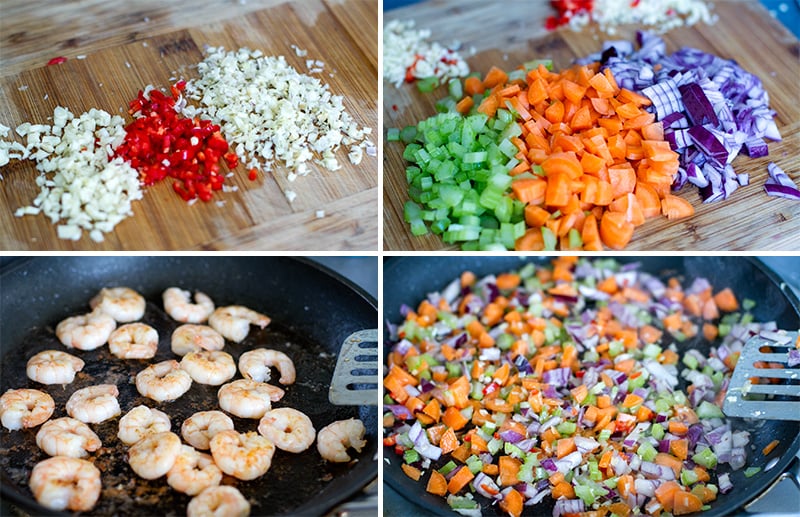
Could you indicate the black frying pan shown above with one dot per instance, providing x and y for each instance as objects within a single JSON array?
[
  {"x": 407, "y": 280},
  {"x": 313, "y": 311}
]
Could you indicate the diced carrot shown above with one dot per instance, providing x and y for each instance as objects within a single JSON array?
[
  {"x": 448, "y": 441},
  {"x": 494, "y": 77},
  {"x": 491, "y": 469},
  {"x": 512, "y": 503},
  {"x": 710, "y": 331},
  {"x": 453, "y": 418},
  {"x": 615, "y": 231},
  {"x": 412, "y": 472},
  {"x": 558, "y": 189},
  {"x": 473, "y": 85},
  {"x": 668, "y": 460},
  {"x": 685, "y": 503},
  {"x": 564, "y": 490},
  {"x": 680, "y": 448},
  {"x": 676, "y": 427},
  {"x": 489, "y": 105},
  {"x": 437, "y": 484},
  {"x": 674, "y": 207},
  {"x": 555, "y": 113},
  {"x": 565, "y": 446},
  {"x": 726, "y": 300},
  {"x": 632, "y": 400},
  {"x": 509, "y": 468},
  {"x": 532, "y": 240},
  {"x": 464, "y": 105},
  {"x": 462, "y": 452},
  {"x": 529, "y": 190},
  {"x": 770, "y": 447},
  {"x": 460, "y": 480},
  {"x": 665, "y": 493}
]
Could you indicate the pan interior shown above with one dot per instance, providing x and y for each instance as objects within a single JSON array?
[
  {"x": 410, "y": 279},
  {"x": 295, "y": 482}
]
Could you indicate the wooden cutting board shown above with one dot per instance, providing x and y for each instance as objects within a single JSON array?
[
  {"x": 128, "y": 45},
  {"x": 506, "y": 37}
]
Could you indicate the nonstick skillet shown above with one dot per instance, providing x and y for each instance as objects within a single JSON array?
[
  {"x": 409, "y": 279},
  {"x": 313, "y": 311}
]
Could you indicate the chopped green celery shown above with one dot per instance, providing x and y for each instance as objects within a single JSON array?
[
  {"x": 611, "y": 482},
  {"x": 567, "y": 428},
  {"x": 510, "y": 164},
  {"x": 411, "y": 173},
  {"x": 504, "y": 209},
  {"x": 503, "y": 116},
  {"x": 646, "y": 451},
  {"x": 512, "y": 450},
  {"x": 537, "y": 170},
  {"x": 534, "y": 64},
  {"x": 447, "y": 468},
  {"x": 591, "y": 356},
  {"x": 491, "y": 197},
  {"x": 585, "y": 493},
  {"x": 594, "y": 472},
  {"x": 459, "y": 502},
  {"x": 408, "y": 134},
  {"x": 679, "y": 336},
  {"x": 387, "y": 399},
  {"x": 525, "y": 473},
  {"x": 550, "y": 239},
  {"x": 748, "y": 304},
  {"x": 724, "y": 329},
  {"x": 433, "y": 138},
  {"x": 494, "y": 445},
  {"x": 459, "y": 232},
  {"x": 717, "y": 378},
  {"x": 411, "y": 211},
  {"x": 393, "y": 134},
  {"x": 747, "y": 318},
  {"x": 708, "y": 410},
  {"x": 451, "y": 195},
  {"x": 411, "y": 456},
  {"x": 615, "y": 348},
  {"x": 688, "y": 477},
  {"x": 418, "y": 227},
  {"x": 453, "y": 369},
  {"x": 517, "y": 75},
  {"x": 474, "y": 464},
  {"x": 410, "y": 152},
  {"x": 603, "y": 435},
  {"x": 690, "y": 361},
  {"x": 425, "y": 374},
  {"x": 751, "y": 471},
  {"x": 427, "y": 84},
  {"x": 540, "y": 473},
  {"x": 706, "y": 458},
  {"x": 651, "y": 350},
  {"x": 662, "y": 405},
  {"x": 679, "y": 397},
  {"x": 455, "y": 89},
  {"x": 512, "y": 130},
  {"x": 575, "y": 240},
  {"x": 657, "y": 430},
  {"x": 504, "y": 341},
  {"x": 445, "y": 105},
  {"x": 413, "y": 363},
  {"x": 508, "y": 148},
  {"x": 477, "y": 391},
  {"x": 475, "y": 157},
  {"x": 404, "y": 441},
  {"x": 528, "y": 270},
  {"x": 440, "y": 225},
  {"x": 637, "y": 382}
]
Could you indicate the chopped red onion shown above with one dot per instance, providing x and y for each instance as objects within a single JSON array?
[
  {"x": 485, "y": 486},
  {"x": 421, "y": 444},
  {"x": 568, "y": 506},
  {"x": 557, "y": 377},
  {"x": 399, "y": 411},
  {"x": 794, "y": 358},
  {"x": 511, "y": 436}
]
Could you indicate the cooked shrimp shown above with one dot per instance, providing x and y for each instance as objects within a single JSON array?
[
  {"x": 153, "y": 456},
  {"x": 177, "y": 303},
  {"x": 134, "y": 341},
  {"x": 86, "y": 332},
  {"x": 248, "y": 399},
  {"x": 142, "y": 421},
  {"x": 199, "y": 428},
  {"x": 218, "y": 501},
  {"x": 121, "y": 303},
  {"x": 67, "y": 437},
  {"x": 193, "y": 338},
  {"x": 94, "y": 404},
  {"x": 53, "y": 367},
  {"x": 63, "y": 483},
  {"x": 289, "y": 429},
  {"x": 244, "y": 456},
  {"x": 193, "y": 472},
  {"x": 334, "y": 439},
  {"x": 163, "y": 381},
  {"x": 234, "y": 321},
  {"x": 255, "y": 364},
  {"x": 209, "y": 366},
  {"x": 25, "y": 408}
]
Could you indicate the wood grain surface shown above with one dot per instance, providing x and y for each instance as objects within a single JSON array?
[
  {"x": 162, "y": 40},
  {"x": 749, "y": 220}
]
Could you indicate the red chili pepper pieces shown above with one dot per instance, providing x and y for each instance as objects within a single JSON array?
[
  {"x": 56, "y": 60},
  {"x": 161, "y": 143},
  {"x": 252, "y": 174}
]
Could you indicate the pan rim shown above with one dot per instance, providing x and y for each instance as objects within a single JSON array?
[
  {"x": 354, "y": 481},
  {"x": 766, "y": 480}
]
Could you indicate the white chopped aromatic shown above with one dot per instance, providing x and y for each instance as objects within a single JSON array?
[
  {"x": 82, "y": 56},
  {"x": 320, "y": 214},
  {"x": 291, "y": 195},
  {"x": 658, "y": 15},
  {"x": 79, "y": 186},
  {"x": 299, "y": 52},
  {"x": 46, "y": 95},
  {"x": 144, "y": 44},
  {"x": 127, "y": 64},
  {"x": 23, "y": 88},
  {"x": 270, "y": 113},
  {"x": 407, "y": 53}
]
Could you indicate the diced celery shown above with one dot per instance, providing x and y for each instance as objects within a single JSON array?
[
  {"x": 411, "y": 456},
  {"x": 427, "y": 84},
  {"x": 748, "y": 304},
  {"x": 445, "y": 105},
  {"x": 494, "y": 445},
  {"x": 646, "y": 451},
  {"x": 451, "y": 195},
  {"x": 474, "y": 464},
  {"x": 408, "y": 134},
  {"x": 651, "y": 350},
  {"x": 475, "y": 157},
  {"x": 504, "y": 341},
  {"x": 447, "y": 468},
  {"x": 575, "y": 240},
  {"x": 708, "y": 410},
  {"x": 586, "y": 494},
  {"x": 455, "y": 89},
  {"x": 603, "y": 435},
  {"x": 534, "y": 64},
  {"x": 457, "y": 502},
  {"x": 512, "y": 450},
  {"x": 615, "y": 348},
  {"x": 393, "y": 134},
  {"x": 688, "y": 477},
  {"x": 690, "y": 361},
  {"x": 411, "y": 211},
  {"x": 751, "y": 471},
  {"x": 567, "y": 428},
  {"x": 550, "y": 239},
  {"x": 706, "y": 458}
]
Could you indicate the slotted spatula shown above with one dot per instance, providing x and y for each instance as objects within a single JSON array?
[
  {"x": 752, "y": 400},
  {"x": 355, "y": 379}
]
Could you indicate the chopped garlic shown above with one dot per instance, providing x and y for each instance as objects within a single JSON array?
[
  {"x": 659, "y": 15},
  {"x": 320, "y": 214},
  {"x": 407, "y": 51},
  {"x": 79, "y": 184},
  {"x": 290, "y": 195},
  {"x": 269, "y": 112}
]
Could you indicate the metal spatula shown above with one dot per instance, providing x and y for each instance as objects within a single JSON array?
[
  {"x": 355, "y": 379},
  {"x": 748, "y": 399}
]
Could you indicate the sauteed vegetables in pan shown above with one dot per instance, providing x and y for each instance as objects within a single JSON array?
[{"x": 569, "y": 382}]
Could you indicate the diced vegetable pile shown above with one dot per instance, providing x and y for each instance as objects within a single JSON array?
[
  {"x": 542, "y": 160},
  {"x": 568, "y": 382},
  {"x": 660, "y": 15}
]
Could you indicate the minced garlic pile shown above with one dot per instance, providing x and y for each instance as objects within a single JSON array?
[
  {"x": 79, "y": 184},
  {"x": 658, "y": 15},
  {"x": 270, "y": 112},
  {"x": 408, "y": 55}
]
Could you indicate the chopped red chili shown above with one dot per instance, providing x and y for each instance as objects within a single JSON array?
[
  {"x": 56, "y": 60},
  {"x": 161, "y": 142}
]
